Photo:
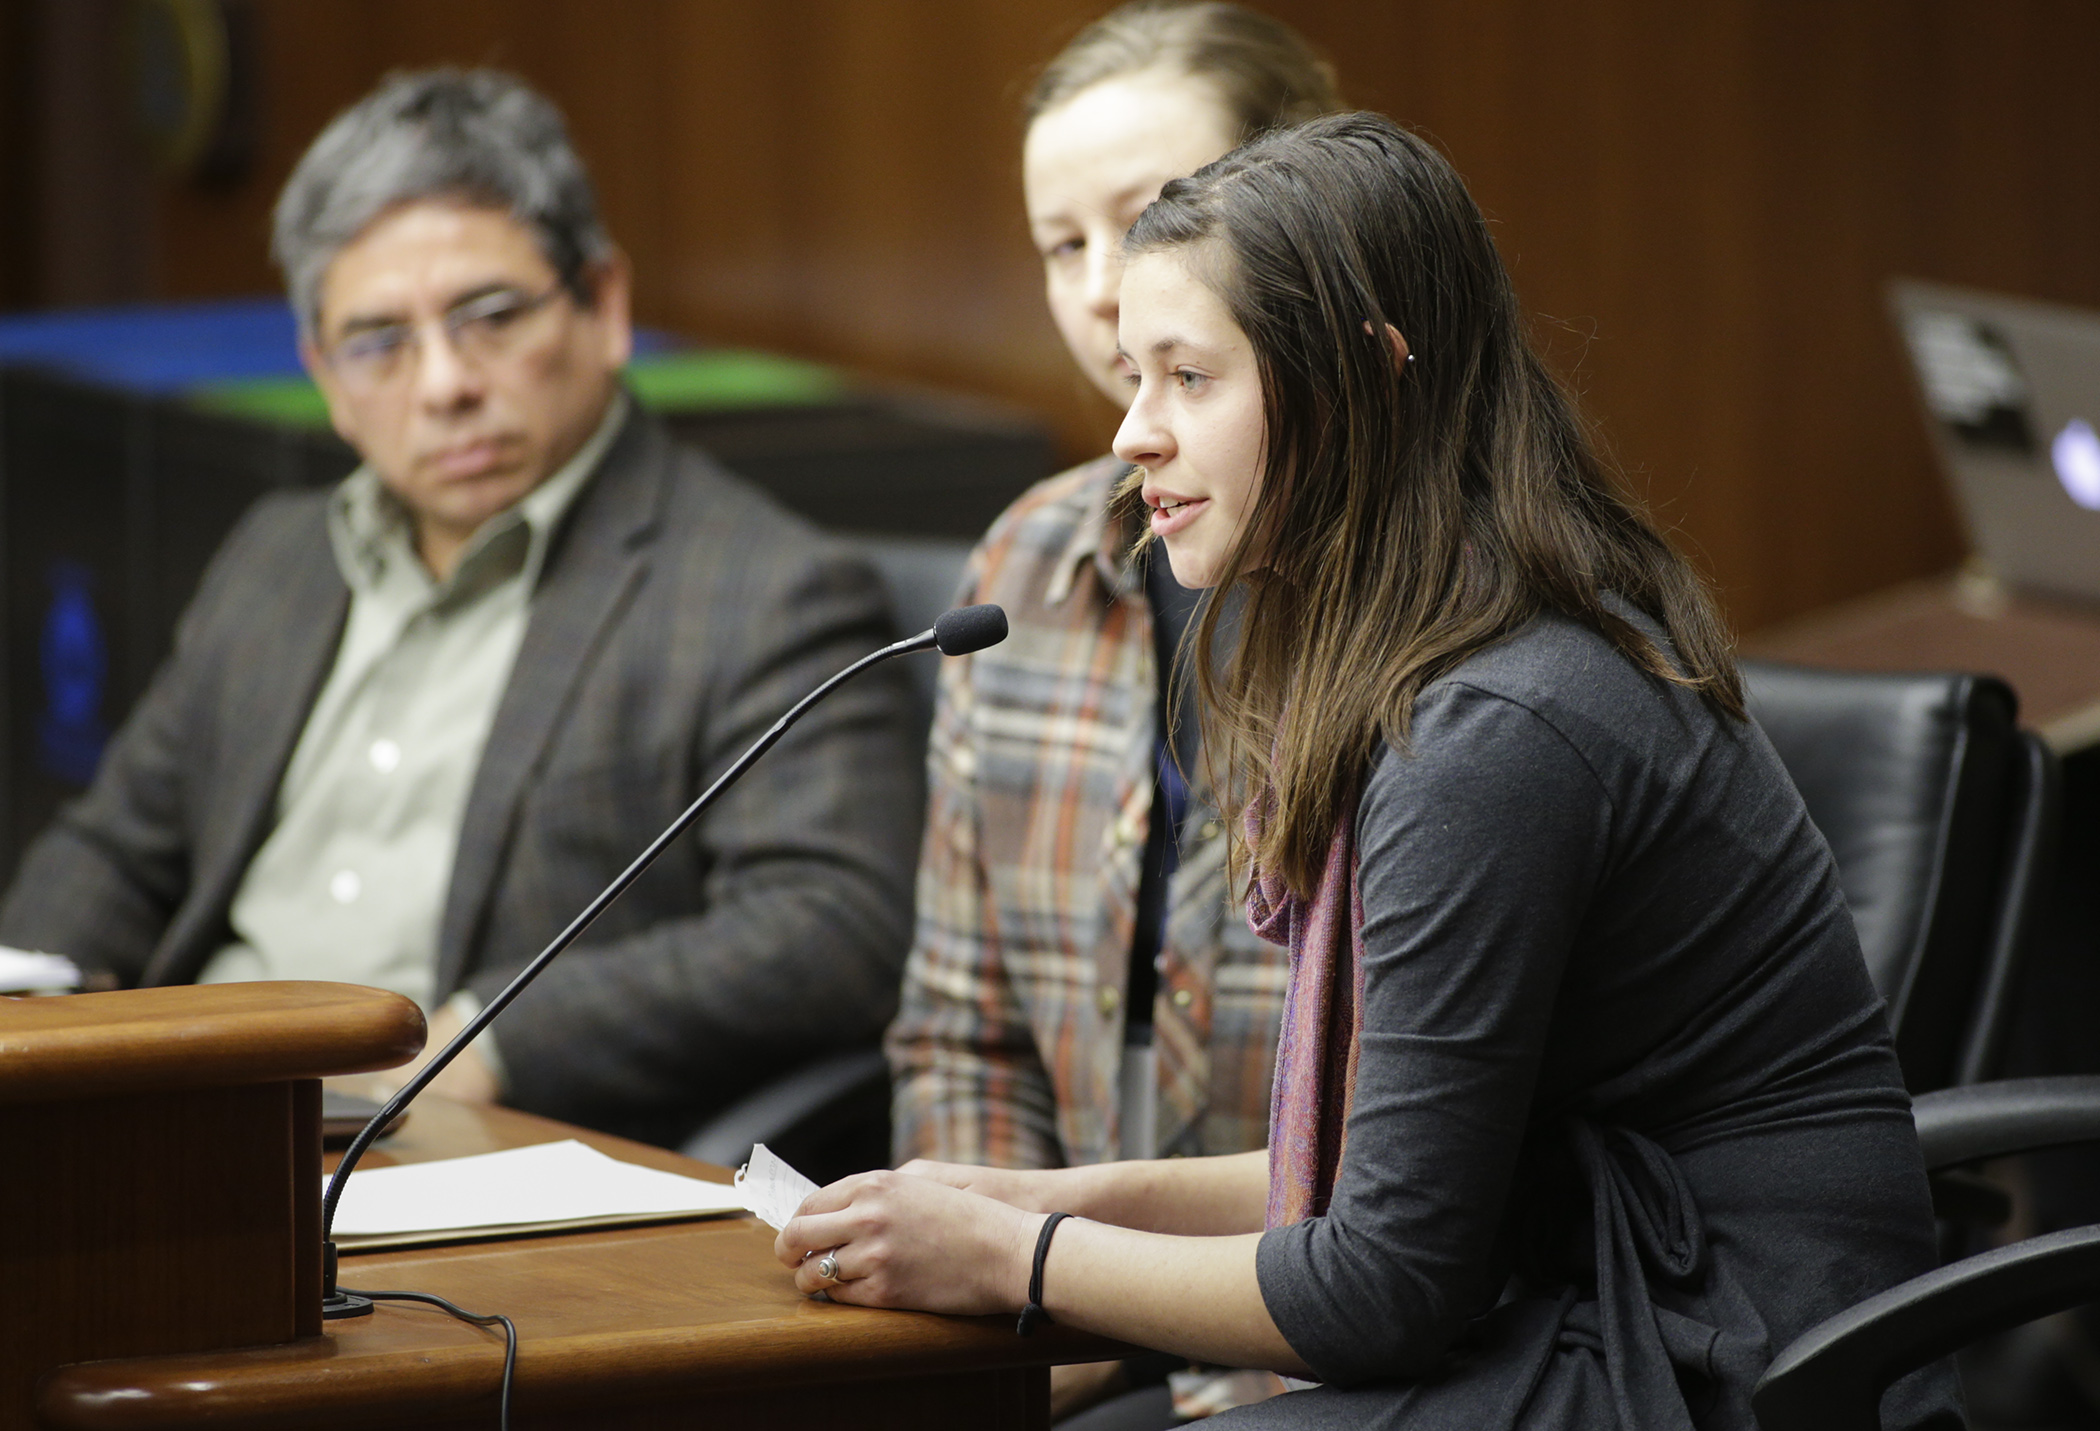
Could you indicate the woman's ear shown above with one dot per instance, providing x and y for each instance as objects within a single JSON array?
[{"x": 1401, "y": 356}]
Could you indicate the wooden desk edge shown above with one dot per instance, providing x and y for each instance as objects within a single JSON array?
[{"x": 294, "y": 1384}]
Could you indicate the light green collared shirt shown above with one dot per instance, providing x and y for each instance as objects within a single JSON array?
[{"x": 350, "y": 886}]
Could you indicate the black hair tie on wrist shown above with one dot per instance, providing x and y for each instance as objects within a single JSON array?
[{"x": 1033, "y": 1312}]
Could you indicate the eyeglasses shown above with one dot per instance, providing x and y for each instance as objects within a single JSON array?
[{"x": 483, "y": 329}]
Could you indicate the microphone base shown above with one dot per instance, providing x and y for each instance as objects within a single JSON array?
[
  {"x": 339, "y": 1304},
  {"x": 336, "y": 1303}
]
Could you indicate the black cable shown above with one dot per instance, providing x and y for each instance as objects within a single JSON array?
[{"x": 510, "y": 1336}]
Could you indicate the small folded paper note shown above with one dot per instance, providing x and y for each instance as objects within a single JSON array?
[{"x": 771, "y": 1188}]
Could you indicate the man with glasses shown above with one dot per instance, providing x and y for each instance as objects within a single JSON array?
[{"x": 412, "y": 725}]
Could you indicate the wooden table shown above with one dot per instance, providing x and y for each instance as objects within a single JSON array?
[
  {"x": 2047, "y": 650},
  {"x": 685, "y": 1324}
]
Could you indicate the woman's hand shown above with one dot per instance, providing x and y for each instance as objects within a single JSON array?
[{"x": 903, "y": 1240}]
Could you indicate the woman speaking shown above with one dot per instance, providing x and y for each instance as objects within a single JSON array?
[{"x": 1584, "y": 1104}]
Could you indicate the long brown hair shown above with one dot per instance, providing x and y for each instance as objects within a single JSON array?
[
  {"x": 1263, "y": 71},
  {"x": 1409, "y": 514}
]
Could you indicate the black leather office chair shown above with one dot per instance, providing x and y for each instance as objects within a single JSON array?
[
  {"x": 1831, "y": 1377},
  {"x": 1942, "y": 815},
  {"x": 831, "y": 1116}
]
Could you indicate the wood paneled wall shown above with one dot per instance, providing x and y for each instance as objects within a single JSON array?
[{"x": 1702, "y": 200}]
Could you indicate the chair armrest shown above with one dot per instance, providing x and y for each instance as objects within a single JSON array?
[
  {"x": 1832, "y": 1376},
  {"x": 2015, "y": 1115},
  {"x": 773, "y": 1109}
]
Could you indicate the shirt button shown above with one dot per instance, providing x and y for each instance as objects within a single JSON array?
[
  {"x": 1183, "y": 998},
  {"x": 385, "y": 756},
  {"x": 1212, "y": 829},
  {"x": 1109, "y": 997},
  {"x": 345, "y": 886}
]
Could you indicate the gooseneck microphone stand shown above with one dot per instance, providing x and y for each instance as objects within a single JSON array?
[{"x": 957, "y": 633}]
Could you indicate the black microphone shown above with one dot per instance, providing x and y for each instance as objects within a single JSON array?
[
  {"x": 956, "y": 633},
  {"x": 967, "y": 629}
]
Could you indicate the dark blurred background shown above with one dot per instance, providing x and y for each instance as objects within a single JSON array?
[{"x": 1702, "y": 201}]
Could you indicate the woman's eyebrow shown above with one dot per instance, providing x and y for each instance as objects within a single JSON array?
[
  {"x": 1162, "y": 346},
  {"x": 1128, "y": 194}
]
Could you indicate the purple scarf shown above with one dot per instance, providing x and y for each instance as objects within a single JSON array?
[{"x": 1322, "y": 1023}]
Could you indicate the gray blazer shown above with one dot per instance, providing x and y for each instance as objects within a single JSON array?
[{"x": 679, "y": 613}]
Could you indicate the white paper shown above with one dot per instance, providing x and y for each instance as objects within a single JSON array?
[
  {"x": 549, "y": 1182},
  {"x": 23, "y": 972},
  {"x": 771, "y": 1188}
]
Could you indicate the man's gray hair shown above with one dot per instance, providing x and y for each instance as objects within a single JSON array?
[{"x": 478, "y": 136}]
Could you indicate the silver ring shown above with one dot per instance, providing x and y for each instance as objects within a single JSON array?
[{"x": 828, "y": 1267}]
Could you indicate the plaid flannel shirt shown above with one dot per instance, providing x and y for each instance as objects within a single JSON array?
[{"x": 1008, "y": 1045}]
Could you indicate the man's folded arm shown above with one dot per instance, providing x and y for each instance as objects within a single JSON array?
[{"x": 701, "y": 1008}]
